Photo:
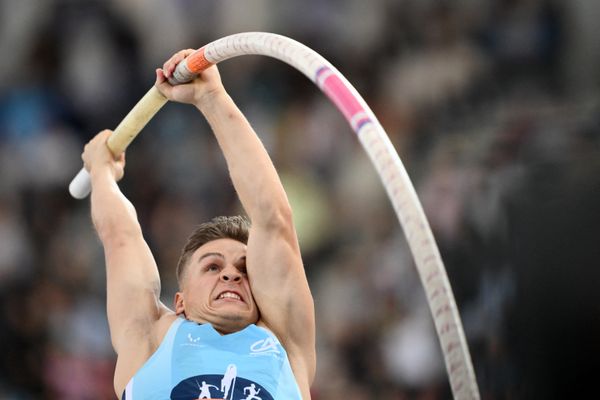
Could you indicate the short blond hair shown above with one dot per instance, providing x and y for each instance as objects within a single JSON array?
[{"x": 224, "y": 227}]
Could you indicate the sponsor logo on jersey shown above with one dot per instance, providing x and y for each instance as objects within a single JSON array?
[{"x": 266, "y": 346}]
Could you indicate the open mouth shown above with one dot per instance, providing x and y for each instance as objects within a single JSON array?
[{"x": 230, "y": 295}]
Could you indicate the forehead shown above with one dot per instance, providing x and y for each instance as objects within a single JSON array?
[{"x": 229, "y": 248}]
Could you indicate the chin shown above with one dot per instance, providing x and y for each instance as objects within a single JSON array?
[
  {"x": 240, "y": 315},
  {"x": 231, "y": 324}
]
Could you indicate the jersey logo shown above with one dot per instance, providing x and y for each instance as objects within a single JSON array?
[
  {"x": 264, "y": 346},
  {"x": 192, "y": 339},
  {"x": 220, "y": 387}
]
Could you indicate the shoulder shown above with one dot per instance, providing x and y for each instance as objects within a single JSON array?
[
  {"x": 140, "y": 343},
  {"x": 161, "y": 327},
  {"x": 302, "y": 359}
]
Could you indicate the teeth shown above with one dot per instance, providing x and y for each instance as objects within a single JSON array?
[{"x": 229, "y": 295}]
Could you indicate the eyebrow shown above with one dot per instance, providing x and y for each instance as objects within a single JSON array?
[
  {"x": 203, "y": 256},
  {"x": 240, "y": 262}
]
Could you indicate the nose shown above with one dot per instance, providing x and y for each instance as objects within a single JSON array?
[{"x": 231, "y": 274}]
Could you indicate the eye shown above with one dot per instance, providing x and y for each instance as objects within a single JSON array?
[{"x": 212, "y": 268}]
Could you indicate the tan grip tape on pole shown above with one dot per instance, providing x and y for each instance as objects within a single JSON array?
[{"x": 135, "y": 120}]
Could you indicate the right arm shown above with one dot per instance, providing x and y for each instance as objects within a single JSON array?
[
  {"x": 274, "y": 264},
  {"x": 133, "y": 283}
]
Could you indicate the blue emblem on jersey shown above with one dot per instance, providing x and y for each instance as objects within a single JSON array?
[{"x": 227, "y": 387}]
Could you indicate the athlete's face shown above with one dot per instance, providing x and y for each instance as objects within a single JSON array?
[{"x": 216, "y": 288}]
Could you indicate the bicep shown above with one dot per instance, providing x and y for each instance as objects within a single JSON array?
[
  {"x": 133, "y": 287},
  {"x": 280, "y": 287}
]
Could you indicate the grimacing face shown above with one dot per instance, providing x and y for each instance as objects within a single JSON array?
[{"x": 215, "y": 287}]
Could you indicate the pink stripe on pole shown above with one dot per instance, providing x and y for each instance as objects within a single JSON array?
[{"x": 336, "y": 90}]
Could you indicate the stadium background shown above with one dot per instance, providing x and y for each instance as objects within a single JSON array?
[{"x": 493, "y": 106}]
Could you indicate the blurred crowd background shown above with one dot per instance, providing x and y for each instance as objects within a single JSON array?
[{"x": 492, "y": 105}]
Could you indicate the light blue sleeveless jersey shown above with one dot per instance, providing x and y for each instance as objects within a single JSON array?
[{"x": 195, "y": 362}]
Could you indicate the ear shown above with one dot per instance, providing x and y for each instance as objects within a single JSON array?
[{"x": 179, "y": 304}]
